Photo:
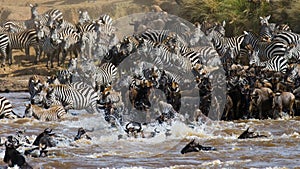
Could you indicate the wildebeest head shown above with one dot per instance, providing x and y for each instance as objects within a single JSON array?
[
  {"x": 45, "y": 139},
  {"x": 193, "y": 146},
  {"x": 80, "y": 133},
  {"x": 12, "y": 156}
]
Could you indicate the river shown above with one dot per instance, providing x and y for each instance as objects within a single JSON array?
[{"x": 280, "y": 149}]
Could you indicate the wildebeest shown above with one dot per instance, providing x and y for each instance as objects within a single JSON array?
[
  {"x": 261, "y": 99},
  {"x": 133, "y": 128},
  {"x": 283, "y": 100},
  {"x": 194, "y": 146},
  {"x": 250, "y": 134},
  {"x": 44, "y": 139},
  {"x": 13, "y": 157},
  {"x": 81, "y": 133}
]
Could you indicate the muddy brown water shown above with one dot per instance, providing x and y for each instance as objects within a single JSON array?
[{"x": 280, "y": 149}]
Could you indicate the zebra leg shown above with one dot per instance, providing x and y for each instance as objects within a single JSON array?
[
  {"x": 3, "y": 58},
  {"x": 37, "y": 54},
  {"x": 27, "y": 51}
]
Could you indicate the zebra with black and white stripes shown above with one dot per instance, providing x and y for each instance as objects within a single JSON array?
[
  {"x": 53, "y": 113},
  {"x": 222, "y": 43},
  {"x": 54, "y": 14},
  {"x": 50, "y": 44},
  {"x": 4, "y": 49},
  {"x": 69, "y": 75},
  {"x": 104, "y": 75},
  {"x": 156, "y": 37},
  {"x": 84, "y": 17},
  {"x": 289, "y": 38},
  {"x": 276, "y": 63},
  {"x": 71, "y": 98},
  {"x": 6, "y": 109},
  {"x": 24, "y": 40},
  {"x": 265, "y": 32},
  {"x": 106, "y": 24},
  {"x": 266, "y": 50}
]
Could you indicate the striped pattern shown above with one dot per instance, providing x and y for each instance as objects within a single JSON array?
[
  {"x": 24, "y": 40},
  {"x": 266, "y": 50},
  {"x": 6, "y": 109},
  {"x": 51, "y": 114},
  {"x": 288, "y": 38},
  {"x": 70, "y": 98},
  {"x": 4, "y": 47},
  {"x": 105, "y": 74},
  {"x": 222, "y": 43},
  {"x": 276, "y": 63}
]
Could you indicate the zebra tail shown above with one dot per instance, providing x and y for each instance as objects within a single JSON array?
[{"x": 16, "y": 114}]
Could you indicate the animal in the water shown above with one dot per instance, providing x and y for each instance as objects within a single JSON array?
[
  {"x": 250, "y": 134},
  {"x": 82, "y": 134},
  {"x": 133, "y": 128},
  {"x": 194, "y": 146},
  {"x": 13, "y": 157},
  {"x": 45, "y": 139}
]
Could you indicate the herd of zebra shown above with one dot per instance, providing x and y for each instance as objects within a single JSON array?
[{"x": 251, "y": 75}]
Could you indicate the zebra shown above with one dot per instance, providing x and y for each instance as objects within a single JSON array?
[
  {"x": 289, "y": 38},
  {"x": 71, "y": 98},
  {"x": 50, "y": 44},
  {"x": 70, "y": 43},
  {"x": 283, "y": 27},
  {"x": 106, "y": 23},
  {"x": 84, "y": 17},
  {"x": 104, "y": 75},
  {"x": 157, "y": 37},
  {"x": 265, "y": 30},
  {"x": 266, "y": 50},
  {"x": 22, "y": 25},
  {"x": 222, "y": 43},
  {"x": 276, "y": 63},
  {"x": 67, "y": 76},
  {"x": 4, "y": 47},
  {"x": 23, "y": 40},
  {"x": 293, "y": 54},
  {"x": 35, "y": 85},
  {"x": 6, "y": 110},
  {"x": 51, "y": 114},
  {"x": 55, "y": 14},
  {"x": 193, "y": 56}
]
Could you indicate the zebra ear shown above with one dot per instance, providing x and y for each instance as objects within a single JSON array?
[
  {"x": 31, "y": 5},
  {"x": 261, "y": 18},
  {"x": 268, "y": 17},
  {"x": 246, "y": 33},
  {"x": 224, "y": 23},
  {"x": 80, "y": 12},
  {"x": 47, "y": 16}
]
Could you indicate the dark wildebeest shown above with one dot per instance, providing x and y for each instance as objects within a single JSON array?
[
  {"x": 45, "y": 139},
  {"x": 193, "y": 146},
  {"x": 250, "y": 134},
  {"x": 132, "y": 128},
  {"x": 13, "y": 157},
  {"x": 82, "y": 133},
  {"x": 283, "y": 100}
]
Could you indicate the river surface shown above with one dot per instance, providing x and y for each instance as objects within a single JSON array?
[{"x": 281, "y": 149}]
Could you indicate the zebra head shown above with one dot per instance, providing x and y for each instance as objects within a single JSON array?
[
  {"x": 33, "y": 9},
  {"x": 264, "y": 20},
  {"x": 84, "y": 17},
  {"x": 254, "y": 59},
  {"x": 28, "y": 110}
]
